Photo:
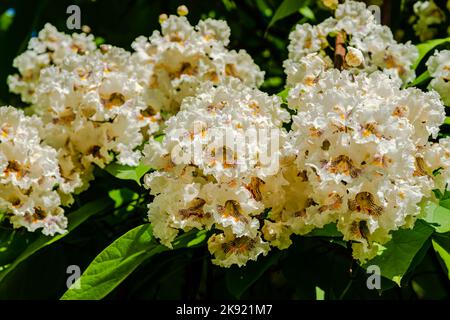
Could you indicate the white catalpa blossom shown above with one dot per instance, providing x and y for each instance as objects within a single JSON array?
[
  {"x": 92, "y": 109},
  {"x": 50, "y": 47},
  {"x": 29, "y": 175},
  {"x": 216, "y": 164},
  {"x": 427, "y": 17},
  {"x": 172, "y": 64},
  {"x": 229, "y": 250},
  {"x": 439, "y": 69},
  {"x": 358, "y": 43},
  {"x": 357, "y": 141}
]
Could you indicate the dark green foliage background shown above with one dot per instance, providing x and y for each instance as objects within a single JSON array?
[{"x": 296, "y": 273}]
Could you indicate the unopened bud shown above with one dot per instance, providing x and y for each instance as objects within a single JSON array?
[
  {"x": 182, "y": 10},
  {"x": 86, "y": 29},
  {"x": 163, "y": 17}
]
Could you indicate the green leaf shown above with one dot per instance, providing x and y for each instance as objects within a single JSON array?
[
  {"x": 116, "y": 262},
  {"x": 283, "y": 94},
  {"x": 122, "y": 196},
  {"x": 436, "y": 215},
  {"x": 320, "y": 294},
  {"x": 99, "y": 40},
  {"x": 399, "y": 253},
  {"x": 328, "y": 230},
  {"x": 444, "y": 254},
  {"x": 443, "y": 239},
  {"x": 273, "y": 82},
  {"x": 160, "y": 138},
  {"x": 74, "y": 220},
  {"x": 441, "y": 244},
  {"x": 200, "y": 237},
  {"x": 286, "y": 8},
  {"x": 445, "y": 203},
  {"x": 6, "y": 19},
  {"x": 426, "y": 47},
  {"x": 447, "y": 120},
  {"x": 126, "y": 172},
  {"x": 238, "y": 280},
  {"x": 425, "y": 76},
  {"x": 307, "y": 13}
]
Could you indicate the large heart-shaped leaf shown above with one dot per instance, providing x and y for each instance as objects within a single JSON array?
[
  {"x": 116, "y": 262},
  {"x": 399, "y": 253}
]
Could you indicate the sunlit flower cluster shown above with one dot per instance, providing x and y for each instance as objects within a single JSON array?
[
  {"x": 357, "y": 141},
  {"x": 50, "y": 47},
  {"x": 93, "y": 111},
  {"x": 216, "y": 164},
  {"x": 29, "y": 175},
  {"x": 352, "y": 40}
]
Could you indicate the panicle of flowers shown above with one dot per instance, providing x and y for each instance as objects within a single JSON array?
[
  {"x": 216, "y": 166},
  {"x": 49, "y": 48},
  {"x": 29, "y": 175},
  {"x": 172, "y": 64},
  {"x": 351, "y": 40},
  {"x": 92, "y": 108},
  {"x": 358, "y": 142}
]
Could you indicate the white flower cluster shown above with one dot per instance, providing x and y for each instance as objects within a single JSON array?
[
  {"x": 439, "y": 69},
  {"x": 352, "y": 40},
  {"x": 427, "y": 17},
  {"x": 50, "y": 47},
  {"x": 92, "y": 109},
  {"x": 172, "y": 64},
  {"x": 218, "y": 159},
  {"x": 357, "y": 140},
  {"x": 100, "y": 104},
  {"x": 29, "y": 175}
]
